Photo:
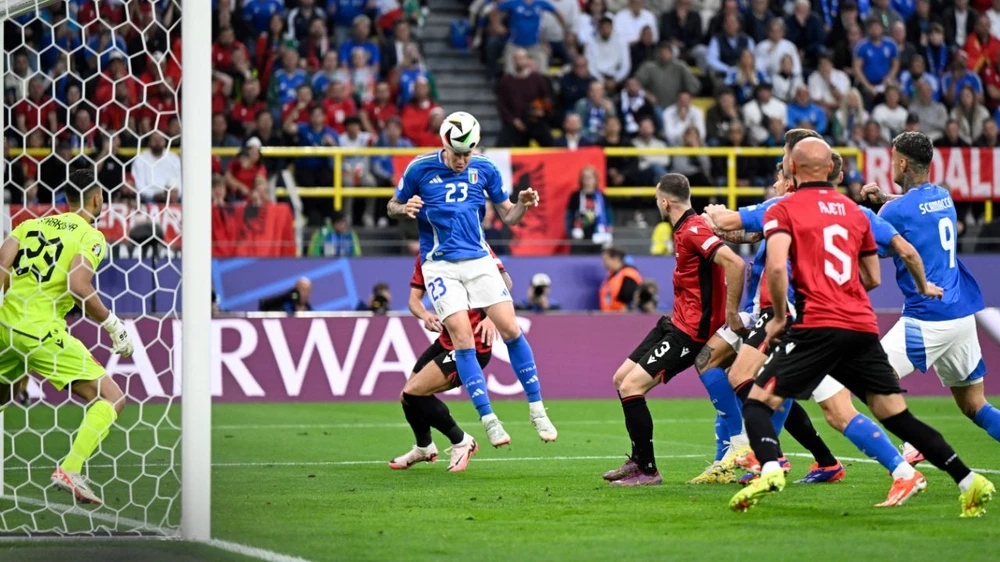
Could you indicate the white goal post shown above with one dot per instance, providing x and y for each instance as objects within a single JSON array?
[{"x": 195, "y": 338}]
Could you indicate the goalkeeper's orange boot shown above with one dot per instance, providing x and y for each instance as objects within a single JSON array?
[{"x": 75, "y": 484}]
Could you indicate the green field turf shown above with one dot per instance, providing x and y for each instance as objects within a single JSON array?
[{"x": 310, "y": 480}]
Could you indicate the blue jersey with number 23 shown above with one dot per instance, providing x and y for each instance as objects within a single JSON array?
[
  {"x": 925, "y": 216},
  {"x": 449, "y": 223}
]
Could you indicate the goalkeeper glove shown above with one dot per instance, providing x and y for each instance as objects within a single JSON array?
[{"x": 121, "y": 343}]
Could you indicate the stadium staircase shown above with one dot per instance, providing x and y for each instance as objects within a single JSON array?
[{"x": 459, "y": 75}]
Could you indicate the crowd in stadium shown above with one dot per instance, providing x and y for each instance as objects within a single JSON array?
[{"x": 104, "y": 76}]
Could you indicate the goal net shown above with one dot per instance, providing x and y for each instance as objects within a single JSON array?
[{"x": 95, "y": 85}]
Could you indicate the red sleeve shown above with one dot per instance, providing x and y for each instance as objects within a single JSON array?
[
  {"x": 417, "y": 281},
  {"x": 868, "y": 245},
  {"x": 776, "y": 220},
  {"x": 700, "y": 238}
]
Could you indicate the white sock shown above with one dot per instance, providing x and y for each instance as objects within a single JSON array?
[
  {"x": 465, "y": 441},
  {"x": 426, "y": 449},
  {"x": 966, "y": 482},
  {"x": 904, "y": 470},
  {"x": 537, "y": 409},
  {"x": 488, "y": 418},
  {"x": 769, "y": 467},
  {"x": 739, "y": 441}
]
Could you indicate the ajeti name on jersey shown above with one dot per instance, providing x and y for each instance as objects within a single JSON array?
[{"x": 449, "y": 223}]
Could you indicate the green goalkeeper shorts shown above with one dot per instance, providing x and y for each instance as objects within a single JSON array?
[{"x": 58, "y": 357}]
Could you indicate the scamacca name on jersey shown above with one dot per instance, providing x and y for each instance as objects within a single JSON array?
[{"x": 248, "y": 353}]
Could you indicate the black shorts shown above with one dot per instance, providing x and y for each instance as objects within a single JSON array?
[
  {"x": 804, "y": 356},
  {"x": 665, "y": 351},
  {"x": 758, "y": 333},
  {"x": 445, "y": 360}
]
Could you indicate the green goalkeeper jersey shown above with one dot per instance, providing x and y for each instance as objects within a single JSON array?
[{"x": 39, "y": 298}]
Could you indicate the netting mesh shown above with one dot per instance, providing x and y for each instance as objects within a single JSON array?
[{"x": 95, "y": 85}]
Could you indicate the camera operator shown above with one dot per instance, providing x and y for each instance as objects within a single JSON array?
[{"x": 539, "y": 298}]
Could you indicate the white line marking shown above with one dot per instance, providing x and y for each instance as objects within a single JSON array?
[
  {"x": 872, "y": 461},
  {"x": 252, "y": 552},
  {"x": 136, "y": 525}
]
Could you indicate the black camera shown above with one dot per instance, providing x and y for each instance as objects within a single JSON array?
[
  {"x": 539, "y": 291},
  {"x": 379, "y": 304}
]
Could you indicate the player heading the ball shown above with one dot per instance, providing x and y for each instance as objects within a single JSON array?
[
  {"x": 445, "y": 191},
  {"x": 48, "y": 267}
]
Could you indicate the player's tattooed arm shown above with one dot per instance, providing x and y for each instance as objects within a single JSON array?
[
  {"x": 8, "y": 253},
  {"x": 397, "y": 208},
  {"x": 511, "y": 213},
  {"x": 740, "y": 236},
  {"x": 911, "y": 259},
  {"x": 874, "y": 193}
]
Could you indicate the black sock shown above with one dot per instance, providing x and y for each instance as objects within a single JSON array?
[
  {"x": 640, "y": 429},
  {"x": 800, "y": 427},
  {"x": 929, "y": 442},
  {"x": 438, "y": 416},
  {"x": 627, "y": 427},
  {"x": 742, "y": 390},
  {"x": 418, "y": 423},
  {"x": 763, "y": 439}
]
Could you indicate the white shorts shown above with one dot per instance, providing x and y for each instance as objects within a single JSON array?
[
  {"x": 950, "y": 346},
  {"x": 731, "y": 337},
  {"x": 827, "y": 388},
  {"x": 463, "y": 285}
]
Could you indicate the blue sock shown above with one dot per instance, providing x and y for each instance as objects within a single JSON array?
[
  {"x": 873, "y": 441},
  {"x": 988, "y": 418},
  {"x": 522, "y": 360},
  {"x": 471, "y": 375},
  {"x": 780, "y": 415},
  {"x": 724, "y": 399},
  {"x": 721, "y": 437}
]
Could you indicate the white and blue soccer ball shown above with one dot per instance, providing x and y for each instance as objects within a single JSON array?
[{"x": 460, "y": 132}]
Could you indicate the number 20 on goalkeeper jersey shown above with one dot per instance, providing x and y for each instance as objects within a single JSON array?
[
  {"x": 449, "y": 223},
  {"x": 39, "y": 298}
]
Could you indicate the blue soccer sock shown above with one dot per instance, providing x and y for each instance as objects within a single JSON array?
[
  {"x": 721, "y": 437},
  {"x": 873, "y": 441},
  {"x": 522, "y": 360},
  {"x": 471, "y": 375},
  {"x": 988, "y": 418},
  {"x": 780, "y": 415},
  {"x": 724, "y": 399}
]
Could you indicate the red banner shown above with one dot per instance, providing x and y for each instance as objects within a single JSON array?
[
  {"x": 555, "y": 175},
  {"x": 237, "y": 230},
  {"x": 972, "y": 174}
]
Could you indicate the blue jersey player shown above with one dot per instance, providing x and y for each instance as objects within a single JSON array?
[
  {"x": 445, "y": 192},
  {"x": 934, "y": 332}
]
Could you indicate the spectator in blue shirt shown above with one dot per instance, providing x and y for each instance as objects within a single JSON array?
[
  {"x": 938, "y": 54},
  {"x": 803, "y": 112},
  {"x": 960, "y": 77},
  {"x": 996, "y": 116},
  {"x": 525, "y": 21},
  {"x": 745, "y": 78},
  {"x": 917, "y": 72},
  {"x": 343, "y": 12},
  {"x": 876, "y": 61},
  {"x": 257, "y": 13},
  {"x": 391, "y": 137},
  {"x": 361, "y": 29},
  {"x": 287, "y": 79},
  {"x": 314, "y": 170}
]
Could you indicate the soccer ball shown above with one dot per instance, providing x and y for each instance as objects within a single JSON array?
[{"x": 460, "y": 132}]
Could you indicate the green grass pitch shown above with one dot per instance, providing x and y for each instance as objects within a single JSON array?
[{"x": 310, "y": 480}]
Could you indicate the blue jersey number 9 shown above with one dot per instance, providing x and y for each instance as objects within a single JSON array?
[
  {"x": 437, "y": 289},
  {"x": 947, "y": 232},
  {"x": 453, "y": 188}
]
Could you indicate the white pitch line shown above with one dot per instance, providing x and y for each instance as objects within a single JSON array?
[
  {"x": 872, "y": 461},
  {"x": 136, "y": 525},
  {"x": 252, "y": 551}
]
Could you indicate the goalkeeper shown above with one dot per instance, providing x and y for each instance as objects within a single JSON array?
[{"x": 47, "y": 266}]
